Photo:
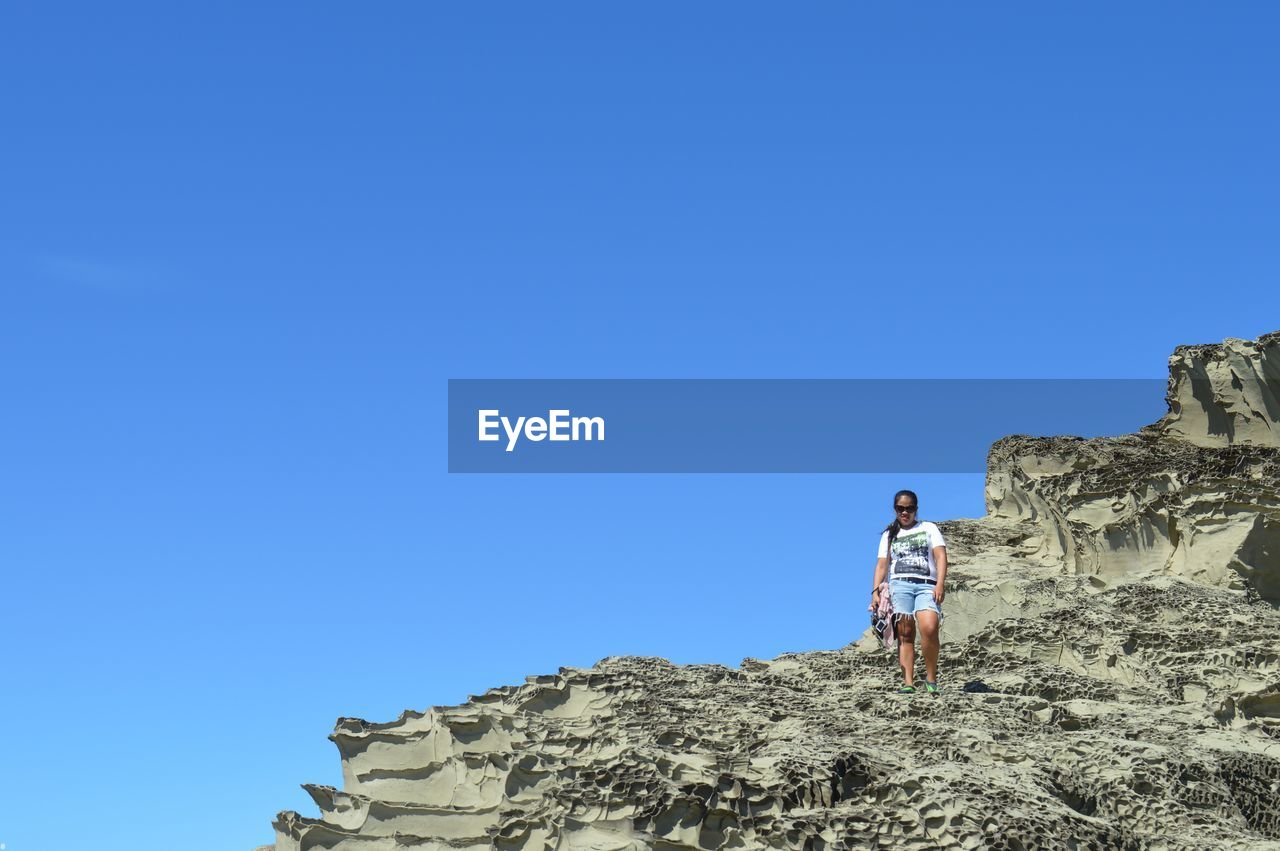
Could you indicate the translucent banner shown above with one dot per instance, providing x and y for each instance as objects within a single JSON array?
[{"x": 774, "y": 425}]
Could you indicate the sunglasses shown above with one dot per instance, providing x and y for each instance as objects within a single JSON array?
[{"x": 906, "y": 508}]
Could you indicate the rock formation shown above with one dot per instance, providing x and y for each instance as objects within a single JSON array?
[
  {"x": 1193, "y": 495},
  {"x": 1111, "y": 679}
]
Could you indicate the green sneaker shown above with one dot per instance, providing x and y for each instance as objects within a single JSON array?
[
  {"x": 931, "y": 688},
  {"x": 907, "y": 690}
]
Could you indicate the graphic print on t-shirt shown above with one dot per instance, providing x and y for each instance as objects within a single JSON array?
[{"x": 911, "y": 554}]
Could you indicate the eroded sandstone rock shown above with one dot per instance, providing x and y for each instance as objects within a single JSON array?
[
  {"x": 1224, "y": 394},
  {"x": 1196, "y": 494},
  {"x": 1111, "y": 676}
]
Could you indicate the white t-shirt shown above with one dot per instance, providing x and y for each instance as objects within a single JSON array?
[{"x": 913, "y": 551}]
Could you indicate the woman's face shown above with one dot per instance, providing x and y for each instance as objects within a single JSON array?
[{"x": 904, "y": 508}]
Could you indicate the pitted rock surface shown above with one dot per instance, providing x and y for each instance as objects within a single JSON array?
[{"x": 1110, "y": 672}]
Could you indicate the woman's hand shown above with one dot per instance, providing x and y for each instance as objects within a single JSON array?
[
  {"x": 875, "y": 600},
  {"x": 938, "y": 594}
]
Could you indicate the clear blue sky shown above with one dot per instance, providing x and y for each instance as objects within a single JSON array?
[{"x": 243, "y": 247}]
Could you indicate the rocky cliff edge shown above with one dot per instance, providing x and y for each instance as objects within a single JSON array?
[{"x": 1111, "y": 679}]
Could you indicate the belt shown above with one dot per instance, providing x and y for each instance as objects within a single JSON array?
[{"x": 914, "y": 580}]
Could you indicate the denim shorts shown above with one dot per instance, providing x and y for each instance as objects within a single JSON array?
[{"x": 911, "y": 597}]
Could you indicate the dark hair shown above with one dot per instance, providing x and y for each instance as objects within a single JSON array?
[{"x": 893, "y": 527}]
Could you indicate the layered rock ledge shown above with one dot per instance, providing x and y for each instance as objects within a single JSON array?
[{"x": 1111, "y": 655}]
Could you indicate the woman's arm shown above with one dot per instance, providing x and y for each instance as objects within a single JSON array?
[
  {"x": 882, "y": 567},
  {"x": 940, "y": 559}
]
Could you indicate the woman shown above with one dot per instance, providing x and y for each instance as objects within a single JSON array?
[{"x": 914, "y": 556}]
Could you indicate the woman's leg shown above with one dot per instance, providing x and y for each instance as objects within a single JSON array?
[
  {"x": 907, "y": 647},
  {"x": 928, "y": 620}
]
